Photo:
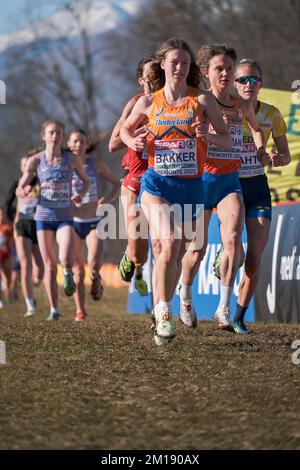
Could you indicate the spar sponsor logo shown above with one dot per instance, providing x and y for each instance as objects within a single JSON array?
[{"x": 174, "y": 144}]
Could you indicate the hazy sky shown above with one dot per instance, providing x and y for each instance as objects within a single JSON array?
[{"x": 11, "y": 13}]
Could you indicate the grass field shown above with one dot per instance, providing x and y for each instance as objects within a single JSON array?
[{"x": 103, "y": 384}]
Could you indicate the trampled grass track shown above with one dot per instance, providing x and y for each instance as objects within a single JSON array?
[{"x": 104, "y": 384}]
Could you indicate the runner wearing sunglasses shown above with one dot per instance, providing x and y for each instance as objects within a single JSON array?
[{"x": 254, "y": 183}]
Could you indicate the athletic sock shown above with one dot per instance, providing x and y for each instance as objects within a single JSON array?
[
  {"x": 30, "y": 304},
  {"x": 239, "y": 313},
  {"x": 185, "y": 292},
  {"x": 225, "y": 295}
]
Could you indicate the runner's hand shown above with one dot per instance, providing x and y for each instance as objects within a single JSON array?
[
  {"x": 76, "y": 198},
  {"x": 201, "y": 128},
  {"x": 276, "y": 159},
  {"x": 263, "y": 157},
  {"x": 139, "y": 142}
]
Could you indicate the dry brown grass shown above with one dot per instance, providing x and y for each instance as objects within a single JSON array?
[{"x": 105, "y": 385}]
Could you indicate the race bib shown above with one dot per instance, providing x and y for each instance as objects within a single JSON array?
[
  {"x": 27, "y": 206},
  {"x": 55, "y": 195},
  {"x": 250, "y": 166},
  {"x": 236, "y": 133},
  {"x": 176, "y": 157}
]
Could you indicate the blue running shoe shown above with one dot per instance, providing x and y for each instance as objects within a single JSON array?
[
  {"x": 53, "y": 316},
  {"x": 216, "y": 265},
  {"x": 240, "y": 328}
]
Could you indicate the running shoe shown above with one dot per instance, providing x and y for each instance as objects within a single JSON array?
[
  {"x": 222, "y": 318},
  {"x": 126, "y": 268},
  {"x": 31, "y": 310},
  {"x": 29, "y": 313},
  {"x": 187, "y": 314},
  {"x": 80, "y": 316},
  {"x": 69, "y": 284},
  {"x": 36, "y": 281},
  {"x": 216, "y": 265},
  {"x": 53, "y": 315},
  {"x": 164, "y": 325},
  {"x": 140, "y": 285},
  {"x": 240, "y": 328},
  {"x": 96, "y": 288},
  {"x": 159, "y": 341},
  {"x": 152, "y": 318}
]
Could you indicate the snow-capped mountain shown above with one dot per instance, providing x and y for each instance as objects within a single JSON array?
[
  {"x": 107, "y": 23},
  {"x": 103, "y": 16}
]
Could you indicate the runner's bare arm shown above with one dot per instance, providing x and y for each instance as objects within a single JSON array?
[
  {"x": 257, "y": 133},
  {"x": 282, "y": 157},
  {"x": 141, "y": 109},
  {"x": 79, "y": 168},
  {"x": 24, "y": 187},
  {"x": 105, "y": 171},
  {"x": 115, "y": 142},
  {"x": 222, "y": 137}
]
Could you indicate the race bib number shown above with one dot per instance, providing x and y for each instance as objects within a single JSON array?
[
  {"x": 28, "y": 206},
  {"x": 176, "y": 157},
  {"x": 55, "y": 195},
  {"x": 250, "y": 166},
  {"x": 236, "y": 132}
]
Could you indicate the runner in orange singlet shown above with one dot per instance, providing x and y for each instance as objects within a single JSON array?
[{"x": 176, "y": 144}]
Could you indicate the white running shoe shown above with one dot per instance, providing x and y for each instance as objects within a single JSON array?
[
  {"x": 161, "y": 341},
  {"x": 29, "y": 313},
  {"x": 222, "y": 318},
  {"x": 187, "y": 314},
  {"x": 164, "y": 324}
]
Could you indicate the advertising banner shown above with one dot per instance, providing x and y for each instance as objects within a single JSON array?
[
  {"x": 285, "y": 181},
  {"x": 277, "y": 296}
]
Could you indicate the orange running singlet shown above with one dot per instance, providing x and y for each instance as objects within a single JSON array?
[
  {"x": 174, "y": 149},
  {"x": 221, "y": 161}
]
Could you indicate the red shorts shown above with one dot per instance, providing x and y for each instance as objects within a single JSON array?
[
  {"x": 132, "y": 183},
  {"x": 4, "y": 255}
]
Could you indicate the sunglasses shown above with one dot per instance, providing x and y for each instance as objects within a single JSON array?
[{"x": 252, "y": 79}]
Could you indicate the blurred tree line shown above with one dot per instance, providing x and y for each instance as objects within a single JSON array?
[{"x": 84, "y": 79}]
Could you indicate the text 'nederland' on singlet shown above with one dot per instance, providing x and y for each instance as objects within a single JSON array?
[
  {"x": 272, "y": 123},
  {"x": 55, "y": 203},
  {"x": 93, "y": 193},
  {"x": 174, "y": 149},
  {"x": 223, "y": 161},
  {"x": 27, "y": 205}
]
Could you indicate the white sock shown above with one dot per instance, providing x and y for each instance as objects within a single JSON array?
[
  {"x": 162, "y": 305},
  {"x": 185, "y": 292},
  {"x": 225, "y": 295},
  {"x": 67, "y": 271},
  {"x": 30, "y": 304},
  {"x": 53, "y": 310}
]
